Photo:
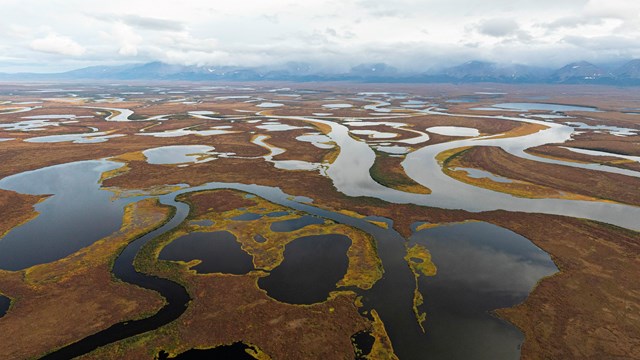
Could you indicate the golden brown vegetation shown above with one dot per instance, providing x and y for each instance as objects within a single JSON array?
[
  {"x": 557, "y": 152},
  {"x": 455, "y": 158},
  {"x": 229, "y": 308},
  {"x": 58, "y": 303},
  {"x": 419, "y": 259},
  {"x": 388, "y": 171},
  {"x": 588, "y": 310},
  {"x": 16, "y": 209},
  {"x": 588, "y": 183},
  {"x": 364, "y": 269}
]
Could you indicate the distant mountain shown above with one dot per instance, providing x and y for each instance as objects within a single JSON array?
[
  {"x": 374, "y": 70},
  {"x": 630, "y": 70},
  {"x": 473, "y": 71},
  {"x": 162, "y": 71},
  {"x": 581, "y": 72}
]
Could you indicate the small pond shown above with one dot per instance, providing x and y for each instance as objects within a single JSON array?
[
  {"x": 454, "y": 131},
  {"x": 278, "y": 213},
  {"x": 178, "y": 154},
  {"x": 295, "y": 224},
  {"x": 87, "y": 138},
  {"x": 235, "y": 351},
  {"x": 337, "y": 106},
  {"x": 219, "y": 252},
  {"x": 479, "y": 174},
  {"x": 248, "y": 216},
  {"x": 204, "y": 222},
  {"x": 269, "y": 105},
  {"x": 311, "y": 268},
  {"x": 5, "y": 303}
]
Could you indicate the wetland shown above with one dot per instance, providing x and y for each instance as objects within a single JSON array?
[{"x": 246, "y": 225}]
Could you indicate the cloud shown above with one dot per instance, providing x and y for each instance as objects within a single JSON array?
[
  {"x": 187, "y": 43},
  {"x": 272, "y": 18},
  {"x": 150, "y": 23},
  {"x": 620, "y": 9},
  {"x": 379, "y": 8},
  {"x": 603, "y": 43},
  {"x": 57, "y": 44},
  {"x": 498, "y": 27},
  {"x": 407, "y": 34},
  {"x": 572, "y": 22},
  {"x": 141, "y": 22},
  {"x": 124, "y": 38}
]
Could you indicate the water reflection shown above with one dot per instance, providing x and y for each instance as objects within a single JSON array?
[
  {"x": 77, "y": 214},
  {"x": 613, "y": 130},
  {"x": 269, "y": 105},
  {"x": 219, "y": 252},
  {"x": 337, "y": 106},
  {"x": 248, "y": 216},
  {"x": 454, "y": 131},
  {"x": 481, "y": 267},
  {"x": 317, "y": 139},
  {"x": 179, "y": 154},
  {"x": 311, "y": 268},
  {"x": 32, "y": 125},
  {"x": 87, "y": 138},
  {"x": 295, "y": 224}
]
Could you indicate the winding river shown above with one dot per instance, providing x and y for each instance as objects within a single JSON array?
[
  {"x": 392, "y": 296},
  {"x": 350, "y": 175}
]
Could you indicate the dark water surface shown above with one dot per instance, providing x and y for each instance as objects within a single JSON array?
[
  {"x": 480, "y": 267},
  {"x": 364, "y": 342},
  {"x": 278, "y": 213},
  {"x": 5, "y": 303},
  {"x": 311, "y": 268},
  {"x": 202, "y": 222},
  {"x": 259, "y": 238},
  {"x": 78, "y": 214},
  {"x": 295, "y": 224},
  {"x": 235, "y": 351},
  {"x": 218, "y": 250},
  {"x": 248, "y": 216}
]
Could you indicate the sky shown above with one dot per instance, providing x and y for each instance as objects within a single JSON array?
[{"x": 332, "y": 35}]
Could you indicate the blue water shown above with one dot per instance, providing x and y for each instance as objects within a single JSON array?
[
  {"x": 76, "y": 215},
  {"x": 480, "y": 267},
  {"x": 295, "y": 224},
  {"x": 219, "y": 252}
]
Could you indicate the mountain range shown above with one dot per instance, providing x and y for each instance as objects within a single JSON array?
[{"x": 473, "y": 71}]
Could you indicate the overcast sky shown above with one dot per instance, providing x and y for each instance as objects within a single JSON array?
[{"x": 54, "y": 35}]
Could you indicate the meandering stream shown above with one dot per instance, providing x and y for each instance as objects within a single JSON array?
[
  {"x": 350, "y": 175},
  {"x": 392, "y": 296}
]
